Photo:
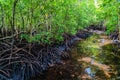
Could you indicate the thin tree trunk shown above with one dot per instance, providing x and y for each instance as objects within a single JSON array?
[
  {"x": 118, "y": 8},
  {"x": 2, "y": 18},
  {"x": 13, "y": 26},
  {"x": 22, "y": 18}
]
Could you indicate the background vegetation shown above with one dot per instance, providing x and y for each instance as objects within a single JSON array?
[
  {"x": 45, "y": 21},
  {"x": 110, "y": 14}
]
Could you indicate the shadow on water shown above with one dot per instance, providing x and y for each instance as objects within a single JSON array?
[{"x": 111, "y": 56}]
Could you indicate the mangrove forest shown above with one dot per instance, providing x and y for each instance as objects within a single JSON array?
[{"x": 59, "y": 39}]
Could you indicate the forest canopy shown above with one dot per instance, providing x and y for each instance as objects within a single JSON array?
[{"x": 46, "y": 21}]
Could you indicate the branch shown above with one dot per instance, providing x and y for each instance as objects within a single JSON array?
[{"x": 9, "y": 37}]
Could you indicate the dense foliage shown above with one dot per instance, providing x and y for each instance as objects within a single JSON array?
[
  {"x": 109, "y": 12},
  {"x": 45, "y": 21}
]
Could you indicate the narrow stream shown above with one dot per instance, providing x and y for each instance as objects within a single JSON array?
[{"x": 96, "y": 58}]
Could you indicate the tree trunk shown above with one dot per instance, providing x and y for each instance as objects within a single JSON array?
[
  {"x": 2, "y": 23},
  {"x": 13, "y": 26},
  {"x": 118, "y": 8}
]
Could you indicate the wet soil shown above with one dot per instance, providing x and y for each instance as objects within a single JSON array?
[{"x": 67, "y": 71}]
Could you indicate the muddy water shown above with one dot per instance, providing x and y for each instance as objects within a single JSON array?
[{"x": 81, "y": 65}]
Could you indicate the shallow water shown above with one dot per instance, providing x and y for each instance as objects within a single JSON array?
[{"x": 101, "y": 62}]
